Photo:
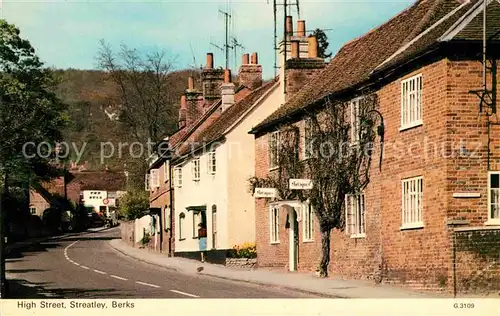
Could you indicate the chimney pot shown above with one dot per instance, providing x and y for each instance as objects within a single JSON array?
[
  {"x": 255, "y": 59},
  {"x": 301, "y": 28},
  {"x": 313, "y": 46},
  {"x": 227, "y": 76},
  {"x": 183, "y": 101},
  {"x": 289, "y": 25},
  {"x": 295, "y": 49},
  {"x": 210, "y": 60},
  {"x": 245, "y": 59},
  {"x": 190, "y": 83}
]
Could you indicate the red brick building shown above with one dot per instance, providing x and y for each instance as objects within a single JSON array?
[{"x": 439, "y": 176}]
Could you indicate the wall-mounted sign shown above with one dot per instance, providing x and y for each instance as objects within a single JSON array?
[
  {"x": 265, "y": 193},
  {"x": 301, "y": 184}
]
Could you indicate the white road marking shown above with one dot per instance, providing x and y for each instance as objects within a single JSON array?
[
  {"x": 117, "y": 277},
  {"x": 147, "y": 284},
  {"x": 87, "y": 268},
  {"x": 98, "y": 271},
  {"x": 183, "y": 293}
]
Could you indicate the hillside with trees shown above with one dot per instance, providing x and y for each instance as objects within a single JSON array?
[{"x": 95, "y": 105}]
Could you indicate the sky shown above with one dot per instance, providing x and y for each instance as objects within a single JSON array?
[{"x": 66, "y": 33}]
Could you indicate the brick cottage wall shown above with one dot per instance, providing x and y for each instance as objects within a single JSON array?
[
  {"x": 476, "y": 260},
  {"x": 418, "y": 258},
  {"x": 415, "y": 257},
  {"x": 469, "y": 172}
]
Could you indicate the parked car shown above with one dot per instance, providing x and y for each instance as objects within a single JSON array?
[{"x": 97, "y": 220}]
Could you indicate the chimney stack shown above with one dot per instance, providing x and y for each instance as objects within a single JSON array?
[
  {"x": 301, "y": 28},
  {"x": 255, "y": 59},
  {"x": 302, "y": 66},
  {"x": 182, "y": 112},
  {"x": 295, "y": 49},
  {"x": 289, "y": 25},
  {"x": 211, "y": 79},
  {"x": 250, "y": 75},
  {"x": 245, "y": 59},
  {"x": 210, "y": 61},
  {"x": 313, "y": 46},
  {"x": 190, "y": 83},
  {"x": 227, "y": 91}
]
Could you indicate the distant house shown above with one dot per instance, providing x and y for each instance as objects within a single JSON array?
[
  {"x": 44, "y": 195},
  {"x": 431, "y": 212}
]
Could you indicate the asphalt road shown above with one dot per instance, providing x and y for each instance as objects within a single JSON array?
[{"x": 86, "y": 266}]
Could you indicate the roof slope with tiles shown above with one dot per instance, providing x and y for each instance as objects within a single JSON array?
[
  {"x": 407, "y": 34},
  {"x": 227, "y": 118}
]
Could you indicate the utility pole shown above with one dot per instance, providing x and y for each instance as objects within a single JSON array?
[
  {"x": 227, "y": 16},
  {"x": 3, "y": 281},
  {"x": 285, "y": 34},
  {"x": 235, "y": 47}
]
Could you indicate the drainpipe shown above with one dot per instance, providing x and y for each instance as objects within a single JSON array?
[{"x": 170, "y": 237}]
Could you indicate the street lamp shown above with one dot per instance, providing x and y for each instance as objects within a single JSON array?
[{"x": 380, "y": 132}]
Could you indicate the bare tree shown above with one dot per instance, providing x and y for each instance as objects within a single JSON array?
[
  {"x": 148, "y": 96},
  {"x": 148, "y": 109},
  {"x": 339, "y": 159}
]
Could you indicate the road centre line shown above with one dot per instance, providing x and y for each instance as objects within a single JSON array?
[
  {"x": 117, "y": 277},
  {"x": 147, "y": 284},
  {"x": 183, "y": 293}
]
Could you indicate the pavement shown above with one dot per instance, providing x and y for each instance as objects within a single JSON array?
[
  {"x": 86, "y": 266},
  {"x": 326, "y": 287}
]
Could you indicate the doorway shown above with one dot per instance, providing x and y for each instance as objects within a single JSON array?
[{"x": 293, "y": 237}]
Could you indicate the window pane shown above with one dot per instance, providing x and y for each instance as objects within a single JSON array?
[
  {"x": 495, "y": 181},
  {"x": 495, "y": 211},
  {"x": 494, "y": 196}
]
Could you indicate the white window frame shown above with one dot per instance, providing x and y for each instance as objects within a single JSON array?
[
  {"x": 212, "y": 162},
  {"x": 166, "y": 171},
  {"x": 155, "y": 178},
  {"x": 195, "y": 169},
  {"x": 167, "y": 219},
  {"x": 274, "y": 227},
  {"x": 274, "y": 137},
  {"x": 196, "y": 221},
  {"x": 182, "y": 219},
  {"x": 412, "y": 202},
  {"x": 355, "y": 123},
  {"x": 308, "y": 144},
  {"x": 147, "y": 184},
  {"x": 493, "y": 220},
  {"x": 411, "y": 102},
  {"x": 32, "y": 210},
  {"x": 355, "y": 210},
  {"x": 308, "y": 223},
  {"x": 178, "y": 177}
]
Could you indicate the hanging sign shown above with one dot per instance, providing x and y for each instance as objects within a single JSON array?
[
  {"x": 301, "y": 184},
  {"x": 264, "y": 193}
]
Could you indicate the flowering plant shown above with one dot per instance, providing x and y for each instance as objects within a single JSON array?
[{"x": 246, "y": 250}]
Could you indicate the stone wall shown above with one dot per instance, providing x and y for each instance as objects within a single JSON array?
[
  {"x": 241, "y": 263},
  {"x": 127, "y": 232}
]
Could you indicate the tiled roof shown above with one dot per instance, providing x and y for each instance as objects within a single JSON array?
[
  {"x": 178, "y": 139},
  {"x": 474, "y": 31},
  {"x": 216, "y": 130},
  {"x": 101, "y": 180},
  {"x": 407, "y": 34}
]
